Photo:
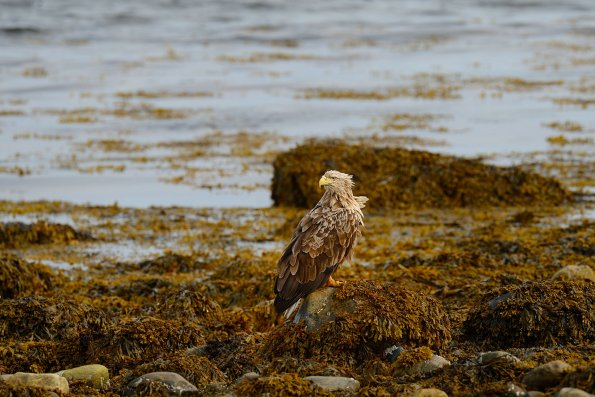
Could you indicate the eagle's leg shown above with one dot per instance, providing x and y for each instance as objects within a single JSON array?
[{"x": 331, "y": 282}]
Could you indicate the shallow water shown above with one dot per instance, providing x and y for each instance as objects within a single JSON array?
[{"x": 257, "y": 60}]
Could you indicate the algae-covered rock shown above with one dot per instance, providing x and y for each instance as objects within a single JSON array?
[
  {"x": 400, "y": 178},
  {"x": 546, "y": 375},
  {"x": 534, "y": 314},
  {"x": 190, "y": 305},
  {"x": 21, "y": 278},
  {"x": 18, "y": 234},
  {"x": 35, "y": 317},
  {"x": 94, "y": 375},
  {"x": 429, "y": 392},
  {"x": 334, "y": 383},
  {"x": 367, "y": 318},
  {"x": 575, "y": 272},
  {"x": 167, "y": 263},
  {"x": 160, "y": 383},
  {"x": 50, "y": 382},
  {"x": 280, "y": 385}
]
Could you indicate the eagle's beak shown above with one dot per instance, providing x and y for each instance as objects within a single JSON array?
[{"x": 324, "y": 181}]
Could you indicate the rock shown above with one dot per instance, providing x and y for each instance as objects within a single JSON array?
[
  {"x": 197, "y": 351},
  {"x": 169, "y": 382},
  {"x": 575, "y": 272},
  {"x": 431, "y": 392},
  {"x": 215, "y": 390},
  {"x": 513, "y": 390},
  {"x": 546, "y": 375},
  {"x": 423, "y": 367},
  {"x": 93, "y": 375},
  {"x": 50, "y": 382},
  {"x": 496, "y": 358},
  {"x": 247, "y": 377},
  {"x": 392, "y": 353},
  {"x": 534, "y": 313},
  {"x": 572, "y": 392},
  {"x": 535, "y": 393},
  {"x": 333, "y": 383},
  {"x": 319, "y": 308}
]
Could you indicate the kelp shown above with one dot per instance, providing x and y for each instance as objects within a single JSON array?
[
  {"x": 19, "y": 277},
  {"x": 19, "y": 234}
]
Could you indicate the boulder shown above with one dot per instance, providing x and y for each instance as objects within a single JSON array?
[
  {"x": 93, "y": 375},
  {"x": 170, "y": 383},
  {"x": 572, "y": 392},
  {"x": 334, "y": 383},
  {"x": 575, "y": 272},
  {"x": 429, "y": 392},
  {"x": 546, "y": 375},
  {"x": 51, "y": 382}
]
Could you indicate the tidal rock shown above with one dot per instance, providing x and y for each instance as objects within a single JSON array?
[
  {"x": 431, "y": 392},
  {"x": 535, "y": 393},
  {"x": 496, "y": 358},
  {"x": 546, "y": 375},
  {"x": 93, "y": 375},
  {"x": 333, "y": 383},
  {"x": 513, "y": 390},
  {"x": 319, "y": 308},
  {"x": 247, "y": 377},
  {"x": 572, "y": 392},
  {"x": 168, "y": 382},
  {"x": 575, "y": 272},
  {"x": 424, "y": 367},
  {"x": 50, "y": 382}
]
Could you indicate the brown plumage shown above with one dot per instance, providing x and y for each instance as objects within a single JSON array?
[{"x": 324, "y": 238}]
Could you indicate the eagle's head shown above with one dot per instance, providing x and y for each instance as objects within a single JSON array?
[{"x": 336, "y": 181}]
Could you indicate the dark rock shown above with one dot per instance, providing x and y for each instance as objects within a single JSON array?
[
  {"x": 334, "y": 383},
  {"x": 170, "y": 383},
  {"x": 546, "y": 375},
  {"x": 392, "y": 353}
]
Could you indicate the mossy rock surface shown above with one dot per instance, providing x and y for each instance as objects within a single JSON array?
[
  {"x": 19, "y": 234},
  {"x": 532, "y": 314},
  {"x": 400, "y": 178},
  {"x": 368, "y": 316},
  {"x": 21, "y": 278}
]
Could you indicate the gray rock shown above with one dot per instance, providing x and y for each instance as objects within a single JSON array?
[
  {"x": 575, "y": 272},
  {"x": 546, "y": 375},
  {"x": 425, "y": 367},
  {"x": 535, "y": 393},
  {"x": 392, "y": 353},
  {"x": 93, "y": 375},
  {"x": 319, "y": 308},
  {"x": 170, "y": 382},
  {"x": 333, "y": 383},
  {"x": 513, "y": 390},
  {"x": 197, "y": 351},
  {"x": 215, "y": 390},
  {"x": 431, "y": 392},
  {"x": 572, "y": 392},
  {"x": 248, "y": 376},
  {"x": 50, "y": 382},
  {"x": 496, "y": 358}
]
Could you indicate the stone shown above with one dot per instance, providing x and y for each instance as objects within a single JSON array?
[
  {"x": 318, "y": 309},
  {"x": 513, "y": 390},
  {"x": 572, "y": 392},
  {"x": 496, "y": 358},
  {"x": 424, "y": 367},
  {"x": 170, "y": 382},
  {"x": 94, "y": 375},
  {"x": 215, "y": 390},
  {"x": 392, "y": 353},
  {"x": 575, "y": 272},
  {"x": 535, "y": 393},
  {"x": 333, "y": 383},
  {"x": 247, "y": 377},
  {"x": 197, "y": 351},
  {"x": 431, "y": 392},
  {"x": 546, "y": 375},
  {"x": 50, "y": 382}
]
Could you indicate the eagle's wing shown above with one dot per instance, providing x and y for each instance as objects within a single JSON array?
[{"x": 323, "y": 239}]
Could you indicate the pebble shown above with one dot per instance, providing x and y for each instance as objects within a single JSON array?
[
  {"x": 513, "y": 390},
  {"x": 496, "y": 357},
  {"x": 248, "y": 376},
  {"x": 334, "y": 383},
  {"x": 93, "y": 375},
  {"x": 572, "y": 392},
  {"x": 173, "y": 383},
  {"x": 575, "y": 272},
  {"x": 197, "y": 351},
  {"x": 546, "y": 375},
  {"x": 51, "y": 382},
  {"x": 392, "y": 353},
  {"x": 425, "y": 367},
  {"x": 431, "y": 392}
]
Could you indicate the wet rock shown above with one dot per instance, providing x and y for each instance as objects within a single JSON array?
[
  {"x": 247, "y": 377},
  {"x": 197, "y": 351},
  {"x": 392, "y": 353},
  {"x": 429, "y": 392},
  {"x": 19, "y": 277},
  {"x": 513, "y": 390},
  {"x": 170, "y": 383},
  {"x": 93, "y": 375},
  {"x": 534, "y": 314},
  {"x": 546, "y": 375},
  {"x": 215, "y": 390},
  {"x": 51, "y": 382},
  {"x": 575, "y": 272},
  {"x": 334, "y": 383},
  {"x": 359, "y": 319},
  {"x": 407, "y": 364},
  {"x": 18, "y": 234},
  {"x": 572, "y": 392},
  {"x": 535, "y": 393},
  {"x": 398, "y": 178},
  {"x": 496, "y": 358}
]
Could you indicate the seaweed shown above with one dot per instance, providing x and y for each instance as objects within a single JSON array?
[
  {"x": 542, "y": 313},
  {"x": 19, "y": 234},
  {"x": 400, "y": 178},
  {"x": 21, "y": 278},
  {"x": 279, "y": 385}
]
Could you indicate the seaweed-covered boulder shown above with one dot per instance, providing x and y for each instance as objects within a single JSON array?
[
  {"x": 190, "y": 305},
  {"x": 367, "y": 317},
  {"x": 40, "y": 318},
  {"x": 18, "y": 234},
  {"x": 168, "y": 263},
  {"x": 400, "y": 178},
  {"x": 279, "y": 385},
  {"x": 51, "y": 382},
  {"x": 21, "y": 278},
  {"x": 534, "y": 314}
]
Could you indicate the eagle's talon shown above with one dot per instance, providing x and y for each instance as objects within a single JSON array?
[{"x": 334, "y": 283}]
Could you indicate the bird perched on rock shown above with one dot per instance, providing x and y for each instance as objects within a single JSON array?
[{"x": 324, "y": 238}]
